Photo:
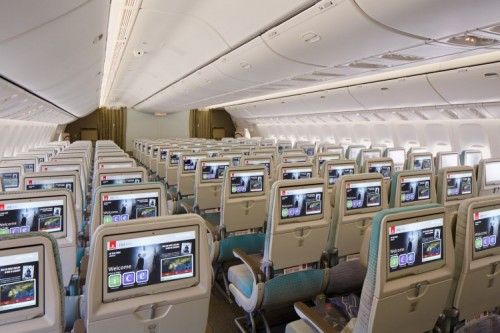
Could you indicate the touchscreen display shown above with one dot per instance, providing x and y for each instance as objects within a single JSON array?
[
  {"x": 472, "y": 159},
  {"x": 449, "y": 160},
  {"x": 264, "y": 162},
  {"x": 213, "y": 170},
  {"x": 383, "y": 168},
  {"x": 130, "y": 178},
  {"x": 492, "y": 171},
  {"x": 309, "y": 150},
  {"x": 323, "y": 159},
  {"x": 295, "y": 159},
  {"x": 155, "y": 151},
  {"x": 486, "y": 225},
  {"x": 129, "y": 206},
  {"x": 144, "y": 261},
  {"x": 415, "y": 188},
  {"x": 19, "y": 277},
  {"x": 459, "y": 183},
  {"x": 398, "y": 156},
  {"x": 283, "y": 146},
  {"x": 422, "y": 163},
  {"x": 163, "y": 154},
  {"x": 354, "y": 152},
  {"x": 297, "y": 173},
  {"x": 10, "y": 180},
  {"x": 363, "y": 195},
  {"x": 52, "y": 183},
  {"x": 246, "y": 182},
  {"x": 29, "y": 167},
  {"x": 300, "y": 202},
  {"x": 190, "y": 163},
  {"x": 414, "y": 244},
  {"x": 61, "y": 167},
  {"x": 21, "y": 217},
  {"x": 114, "y": 165},
  {"x": 174, "y": 158},
  {"x": 336, "y": 171}
]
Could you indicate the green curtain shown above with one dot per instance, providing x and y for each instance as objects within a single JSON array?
[{"x": 112, "y": 124}]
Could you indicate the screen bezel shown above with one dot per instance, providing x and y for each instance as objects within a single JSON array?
[
  {"x": 366, "y": 209},
  {"x": 50, "y": 179},
  {"x": 156, "y": 288},
  {"x": 419, "y": 156},
  {"x": 327, "y": 167},
  {"x": 391, "y": 151},
  {"x": 65, "y": 224},
  {"x": 12, "y": 169},
  {"x": 468, "y": 153},
  {"x": 36, "y": 311},
  {"x": 415, "y": 202},
  {"x": 184, "y": 157},
  {"x": 485, "y": 253},
  {"x": 247, "y": 194},
  {"x": 422, "y": 268},
  {"x": 102, "y": 194},
  {"x": 301, "y": 219},
  {"x": 382, "y": 164}
]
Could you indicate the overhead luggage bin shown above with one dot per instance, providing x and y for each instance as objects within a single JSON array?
[{"x": 309, "y": 37}]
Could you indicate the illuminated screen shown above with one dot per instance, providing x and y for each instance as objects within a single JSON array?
[
  {"x": 51, "y": 183},
  {"x": 247, "y": 181},
  {"x": 10, "y": 180},
  {"x": 492, "y": 172},
  {"x": 383, "y": 168},
  {"x": 458, "y": 183},
  {"x": 363, "y": 195},
  {"x": 163, "y": 154},
  {"x": 323, "y": 159},
  {"x": 284, "y": 146},
  {"x": 189, "y": 163},
  {"x": 398, "y": 156},
  {"x": 29, "y": 167},
  {"x": 472, "y": 159},
  {"x": 134, "y": 263},
  {"x": 422, "y": 163},
  {"x": 449, "y": 160},
  {"x": 336, "y": 171},
  {"x": 486, "y": 225},
  {"x": 295, "y": 159},
  {"x": 21, "y": 217},
  {"x": 264, "y": 162},
  {"x": 371, "y": 154},
  {"x": 301, "y": 202},
  {"x": 19, "y": 282},
  {"x": 415, "y": 188},
  {"x": 309, "y": 150},
  {"x": 128, "y": 178},
  {"x": 123, "y": 207},
  {"x": 354, "y": 152},
  {"x": 114, "y": 165},
  {"x": 415, "y": 244},
  {"x": 297, "y": 173},
  {"x": 174, "y": 158},
  {"x": 213, "y": 170}
]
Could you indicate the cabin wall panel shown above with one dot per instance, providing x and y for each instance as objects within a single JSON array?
[{"x": 18, "y": 135}]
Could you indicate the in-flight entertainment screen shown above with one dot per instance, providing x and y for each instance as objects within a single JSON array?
[
  {"x": 213, "y": 170},
  {"x": 297, "y": 173},
  {"x": 415, "y": 188},
  {"x": 247, "y": 181},
  {"x": 265, "y": 162},
  {"x": 422, "y": 162},
  {"x": 486, "y": 229},
  {"x": 336, "y": 171},
  {"x": 50, "y": 183},
  {"x": 125, "y": 178},
  {"x": 128, "y": 206},
  {"x": 10, "y": 179},
  {"x": 363, "y": 195},
  {"x": 298, "y": 202},
  {"x": 383, "y": 168},
  {"x": 458, "y": 183},
  {"x": 415, "y": 244}
]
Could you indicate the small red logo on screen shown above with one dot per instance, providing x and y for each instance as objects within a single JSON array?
[
  {"x": 476, "y": 216},
  {"x": 103, "y": 177},
  {"x": 105, "y": 197},
  {"x": 2, "y": 206},
  {"x": 392, "y": 230},
  {"x": 30, "y": 181},
  {"x": 112, "y": 245}
]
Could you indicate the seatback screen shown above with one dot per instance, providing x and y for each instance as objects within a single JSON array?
[
  {"x": 458, "y": 183},
  {"x": 29, "y": 167},
  {"x": 10, "y": 180},
  {"x": 371, "y": 154},
  {"x": 422, "y": 162},
  {"x": 492, "y": 172},
  {"x": 137, "y": 262},
  {"x": 309, "y": 150},
  {"x": 472, "y": 159},
  {"x": 284, "y": 146},
  {"x": 354, "y": 152},
  {"x": 163, "y": 154},
  {"x": 264, "y": 162},
  {"x": 189, "y": 163},
  {"x": 398, "y": 156},
  {"x": 235, "y": 158},
  {"x": 449, "y": 160},
  {"x": 50, "y": 183},
  {"x": 62, "y": 167},
  {"x": 120, "y": 207},
  {"x": 486, "y": 229},
  {"x": 415, "y": 244},
  {"x": 336, "y": 150},
  {"x": 213, "y": 170},
  {"x": 114, "y": 165},
  {"x": 247, "y": 181},
  {"x": 294, "y": 159},
  {"x": 383, "y": 168},
  {"x": 325, "y": 158},
  {"x": 299, "y": 202},
  {"x": 363, "y": 195},
  {"x": 297, "y": 173},
  {"x": 19, "y": 281},
  {"x": 336, "y": 171},
  {"x": 415, "y": 188},
  {"x": 127, "y": 178},
  {"x": 174, "y": 158},
  {"x": 155, "y": 151},
  {"x": 31, "y": 215}
]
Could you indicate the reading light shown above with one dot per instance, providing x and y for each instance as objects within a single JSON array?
[
  {"x": 471, "y": 40},
  {"x": 245, "y": 65}
]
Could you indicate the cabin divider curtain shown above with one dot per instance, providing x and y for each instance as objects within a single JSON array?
[
  {"x": 111, "y": 125},
  {"x": 200, "y": 124}
]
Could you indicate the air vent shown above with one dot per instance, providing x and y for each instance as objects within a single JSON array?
[
  {"x": 367, "y": 65},
  {"x": 376, "y": 115},
  {"x": 491, "y": 75},
  {"x": 478, "y": 114},
  {"x": 421, "y": 115},
  {"x": 325, "y": 74},
  {"x": 450, "y": 114},
  {"x": 495, "y": 29},
  {"x": 401, "y": 57},
  {"x": 401, "y": 116},
  {"x": 472, "y": 41},
  {"x": 303, "y": 79}
]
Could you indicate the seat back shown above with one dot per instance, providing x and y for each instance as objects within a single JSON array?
[
  {"x": 153, "y": 158},
  {"x": 420, "y": 161},
  {"x": 208, "y": 182},
  {"x": 353, "y": 151},
  {"x": 113, "y": 163},
  {"x": 410, "y": 188},
  {"x": 266, "y": 161},
  {"x": 66, "y": 166},
  {"x": 398, "y": 156},
  {"x": 488, "y": 176},
  {"x": 65, "y": 161},
  {"x": 173, "y": 161},
  {"x": 321, "y": 158},
  {"x": 69, "y": 180},
  {"x": 31, "y": 289},
  {"x": 50, "y": 211},
  {"x": 470, "y": 157},
  {"x": 367, "y": 154},
  {"x": 117, "y": 176},
  {"x": 455, "y": 184},
  {"x": 30, "y": 163},
  {"x": 477, "y": 256},
  {"x": 12, "y": 175},
  {"x": 297, "y": 228},
  {"x": 357, "y": 199},
  {"x": 294, "y": 171},
  {"x": 244, "y": 198},
  {"x": 293, "y": 158},
  {"x": 161, "y": 161},
  {"x": 149, "y": 276},
  {"x": 332, "y": 149},
  {"x": 186, "y": 171},
  {"x": 410, "y": 269},
  {"x": 446, "y": 159},
  {"x": 120, "y": 203},
  {"x": 284, "y": 145}
]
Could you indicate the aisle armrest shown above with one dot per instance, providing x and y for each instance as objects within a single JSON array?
[{"x": 313, "y": 319}]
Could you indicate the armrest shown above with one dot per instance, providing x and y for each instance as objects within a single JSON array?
[
  {"x": 79, "y": 327},
  {"x": 313, "y": 319},
  {"x": 84, "y": 264},
  {"x": 252, "y": 265},
  {"x": 187, "y": 207},
  {"x": 212, "y": 230}
]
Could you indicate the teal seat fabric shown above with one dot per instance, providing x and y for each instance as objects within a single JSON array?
[
  {"x": 303, "y": 284},
  {"x": 250, "y": 243},
  {"x": 241, "y": 278},
  {"x": 394, "y": 185},
  {"x": 362, "y": 323}
]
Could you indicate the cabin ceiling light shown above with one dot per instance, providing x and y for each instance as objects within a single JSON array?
[
  {"x": 401, "y": 57},
  {"x": 473, "y": 41},
  {"x": 490, "y": 75},
  {"x": 367, "y": 65},
  {"x": 311, "y": 37}
]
